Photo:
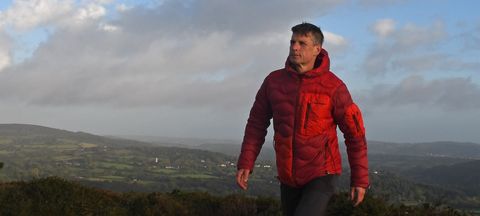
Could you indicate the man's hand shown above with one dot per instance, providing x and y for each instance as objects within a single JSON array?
[
  {"x": 242, "y": 178},
  {"x": 356, "y": 195}
]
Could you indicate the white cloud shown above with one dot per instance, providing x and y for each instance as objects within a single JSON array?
[
  {"x": 334, "y": 39},
  {"x": 101, "y": 1},
  {"x": 90, "y": 11},
  {"x": 334, "y": 42},
  {"x": 184, "y": 68},
  {"x": 384, "y": 27},
  {"x": 379, "y": 2},
  {"x": 25, "y": 18},
  {"x": 5, "y": 47},
  {"x": 3, "y": 20},
  {"x": 109, "y": 27},
  {"x": 192, "y": 67},
  {"x": 412, "y": 36},
  {"x": 269, "y": 38},
  {"x": 414, "y": 123},
  {"x": 166, "y": 56},
  {"x": 448, "y": 94},
  {"x": 410, "y": 40},
  {"x": 24, "y": 15},
  {"x": 123, "y": 7},
  {"x": 5, "y": 60},
  {"x": 417, "y": 63}
]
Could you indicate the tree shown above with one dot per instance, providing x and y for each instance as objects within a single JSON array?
[{"x": 1, "y": 165}]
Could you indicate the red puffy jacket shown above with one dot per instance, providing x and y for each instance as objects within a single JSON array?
[{"x": 306, "y": 109}]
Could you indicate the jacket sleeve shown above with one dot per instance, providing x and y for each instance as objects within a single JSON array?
[
  {"x": 349, "y": 119},
  {"x": 256, "y": 129}
]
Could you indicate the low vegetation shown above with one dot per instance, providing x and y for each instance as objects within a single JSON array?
[{"x": 56, "y": 196}]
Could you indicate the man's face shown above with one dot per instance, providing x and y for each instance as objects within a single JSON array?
[{"x": 303, "y": 51}]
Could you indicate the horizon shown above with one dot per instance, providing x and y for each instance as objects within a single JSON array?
[
  {"x": 191, "y": 69},
  {"x": 193, "y": 141}
]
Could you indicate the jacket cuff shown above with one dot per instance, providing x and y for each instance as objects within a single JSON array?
[{"x": 362, "y": 185}]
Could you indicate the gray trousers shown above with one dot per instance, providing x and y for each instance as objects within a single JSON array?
[{"x": 311, "y": 199}]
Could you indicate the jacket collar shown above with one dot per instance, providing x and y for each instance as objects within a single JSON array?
[{"x": 322, "y": 64}]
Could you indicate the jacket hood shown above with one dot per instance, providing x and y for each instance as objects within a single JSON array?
[{"x": 322, "y": 64}]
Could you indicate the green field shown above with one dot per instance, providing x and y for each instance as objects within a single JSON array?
[{"x": 120, "y": 166}]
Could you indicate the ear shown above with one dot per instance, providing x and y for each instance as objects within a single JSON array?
[{"x": 318, "y": 49}]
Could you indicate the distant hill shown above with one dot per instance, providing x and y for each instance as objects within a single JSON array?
[
  {"x": 29, "y": 151},
  {"x": 452, "y": 151},
  {"x": 436, "y": 149},
  {"x": 24, "y": 132},
  {"x": 396, "y": 188},
  {"x": 399, "y": 163},
  {"x": 177, "y": 141},
  {"x": 461, "y": 176},
  {"x": 459, "y": 150}
]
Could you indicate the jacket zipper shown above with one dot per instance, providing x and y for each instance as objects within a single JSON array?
[
  {"x": 295, "y": 125},
  {"x": 309, "y": 107}
]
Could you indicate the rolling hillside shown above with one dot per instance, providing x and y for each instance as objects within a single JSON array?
[
  {"x": 29, "y": 151},
  {"x": 461, "y": 176}
]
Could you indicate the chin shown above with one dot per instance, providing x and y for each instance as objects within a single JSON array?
[{"x": 292, "y": 60}]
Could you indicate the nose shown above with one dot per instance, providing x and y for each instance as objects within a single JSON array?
[{"x": 294, "y": 46}]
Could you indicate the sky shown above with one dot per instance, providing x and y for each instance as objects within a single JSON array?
[{"x": 192, "y": 68}]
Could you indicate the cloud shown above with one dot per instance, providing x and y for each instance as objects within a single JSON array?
[
  {"x": 26, "y": 17},
  {"x": 108, "y": 27},
  {"x": 379, "y": 2},
  {"x": 434, "y": 61},
  {"x": 123, "y": 7},
  {"x": 234, "y": 16},
  {"x": 90, "y": 11},
  {"x": 335, "y": 42},
  {"x": 410, "y": 40},
  {"x": 27, "y": 14},
  {"x": 448, "y": 94},
  {"x": 384, "y": 27},
  {"x": 5, "y": 48},
  {"x": 472, "y": 38},
  {"x": 201, "y": 54},
  {"x": 413, "y": 36}
]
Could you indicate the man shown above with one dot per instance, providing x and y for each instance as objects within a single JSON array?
[{"x": 307, "y": 102}]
